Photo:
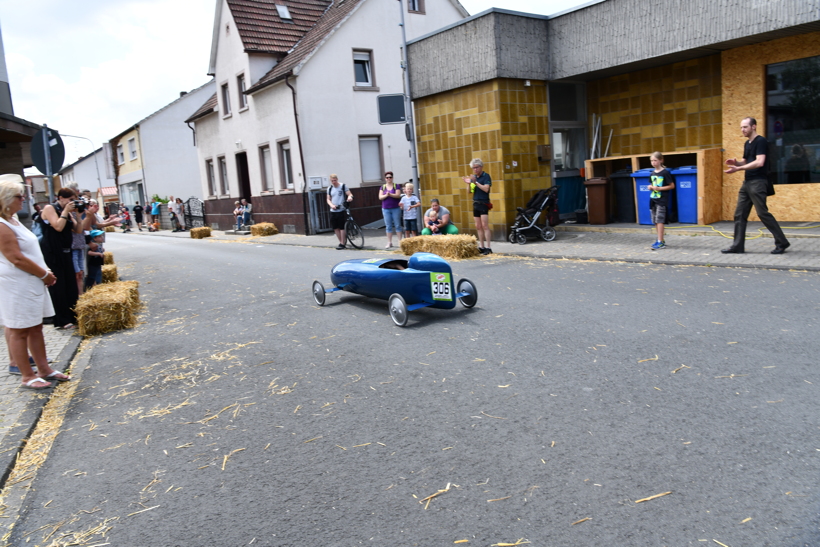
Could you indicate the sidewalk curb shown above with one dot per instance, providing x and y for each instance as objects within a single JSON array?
[
  {"x": 664, "y": 262},
  {"x": 15, "y": 440}
]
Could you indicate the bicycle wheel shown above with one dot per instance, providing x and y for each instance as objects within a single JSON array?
[{"x": 354, "y": 234}]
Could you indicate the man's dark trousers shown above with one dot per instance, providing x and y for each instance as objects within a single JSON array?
[{"x": 753, "y": 192}]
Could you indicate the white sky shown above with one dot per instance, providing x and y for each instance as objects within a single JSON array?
[{"x": 94, "y": 68}]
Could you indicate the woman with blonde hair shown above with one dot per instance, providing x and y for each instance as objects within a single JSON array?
[{"x": 24, "y": 277}]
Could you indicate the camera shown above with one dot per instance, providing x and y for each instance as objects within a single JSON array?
[{"x": 79, "y": 205}]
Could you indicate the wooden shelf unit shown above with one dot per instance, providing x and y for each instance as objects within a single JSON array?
[{"x": 709, "y": 163}]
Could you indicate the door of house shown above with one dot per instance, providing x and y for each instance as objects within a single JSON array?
[
  {"x": 319, "y": 212},
  {"x": 243, "y": 176}
]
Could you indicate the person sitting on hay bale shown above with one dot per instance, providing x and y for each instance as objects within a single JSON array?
[{"x": 445, "y": 226}]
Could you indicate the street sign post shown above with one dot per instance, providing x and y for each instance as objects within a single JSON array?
[{"x": 48, "y": 154}]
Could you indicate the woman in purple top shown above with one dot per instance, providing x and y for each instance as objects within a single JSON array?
[{"x": 390, "y": 196}]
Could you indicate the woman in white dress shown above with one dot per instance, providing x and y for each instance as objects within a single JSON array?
[{"x": 24, "y": 278}]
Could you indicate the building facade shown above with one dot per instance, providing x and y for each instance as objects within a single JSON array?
[
  {"x": 531, "y": 94},
  {"x": 296, "y": 100},
  {"x": 157, "y": 155}
]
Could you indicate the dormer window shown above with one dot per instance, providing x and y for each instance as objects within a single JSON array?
[{"x": 284, "y": 14}]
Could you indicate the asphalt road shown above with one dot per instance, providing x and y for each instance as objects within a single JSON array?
[{"x": 240, "y": 413}]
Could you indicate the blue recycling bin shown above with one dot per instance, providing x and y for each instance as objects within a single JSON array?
[
  {"x": 642, "y": 191},
  {"x": 686, "y": 186}
]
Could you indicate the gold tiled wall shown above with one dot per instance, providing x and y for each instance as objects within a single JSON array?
[
  {"x": 744, "y": 94},
  {"x": 667, "y": 108},
  {"x": 500, "y": 121}
]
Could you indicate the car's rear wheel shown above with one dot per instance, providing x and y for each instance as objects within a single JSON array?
[
  {"x": 467, "y": 286},
  {"x": 318, "y": 293},
  {"x": 398, "y": 309}
]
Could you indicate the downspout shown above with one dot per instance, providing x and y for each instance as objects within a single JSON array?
[
  {"x": 301, "y": 158},
  {"x": 193, "y": 131},
  {"x": 142, "y": 160}
]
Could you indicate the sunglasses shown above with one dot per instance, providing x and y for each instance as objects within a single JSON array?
[{"x": 388, "y": 177}]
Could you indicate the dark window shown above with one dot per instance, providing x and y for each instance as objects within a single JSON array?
[{"x": 793, "y": 120}]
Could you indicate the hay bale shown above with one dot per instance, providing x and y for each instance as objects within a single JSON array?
[
  {"x": 446, "y": 246},
  {"x": 109, "y": 229},
  {"x": 200, "y": 233},
  {"x": 109, "y": 273},
  {"x": 108, "y": 307},
  {"x": 108, "y": 257},
  {"x": 264, "y": 229}
]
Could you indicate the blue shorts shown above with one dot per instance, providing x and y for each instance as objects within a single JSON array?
[
  {"x": 411, "y": 225},
  {"x": 77, "y": 259}
]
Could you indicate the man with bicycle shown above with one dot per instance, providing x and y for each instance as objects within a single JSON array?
[{"x": 337, "y": 197}]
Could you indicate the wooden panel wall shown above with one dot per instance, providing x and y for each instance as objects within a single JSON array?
[
  {"x": 744, "y": 94},
  {"x": 667, "y": 108}
]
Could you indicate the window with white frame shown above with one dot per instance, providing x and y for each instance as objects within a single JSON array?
[
  {"x": 363, "y": 68},
  {"x": 265, "y": 167},
  {"x": 223, "y": 176},
  {"x": 209, "y": 169},
  {"x": 240, "y": 85},
  {"x": 132, "y": 148},
  {"x": 283, "y": 12},
  {"x": 370, "y": 154},
  {"x": 226, "y": 100},
  {"x": 415, "y": 6},
  {"x": 285, "y": 165},
  {"x": 120, "y": 155}
]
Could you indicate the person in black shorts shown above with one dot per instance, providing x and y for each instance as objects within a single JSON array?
[
  {"x": 337, "y": 198},
  {"x": 138, "y": 210},
  {"x": 480, "y": 183}
]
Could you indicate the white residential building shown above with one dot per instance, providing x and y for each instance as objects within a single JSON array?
[
  {"x": 157, "y": 155},
  {"x": 296, "y": 100}
]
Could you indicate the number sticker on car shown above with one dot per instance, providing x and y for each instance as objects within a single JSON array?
[{"x": 440, "y": 286}]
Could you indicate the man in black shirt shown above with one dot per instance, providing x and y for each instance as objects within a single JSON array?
[
  {"x": 755, "y": 189},
  {"x": 138, "y": 210}
]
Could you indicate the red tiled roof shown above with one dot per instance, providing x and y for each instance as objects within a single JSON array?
[
  {"x": 209, "y": 107},
  {"x": 261, "y": 28},
  {"x": 334, "y": 15}
]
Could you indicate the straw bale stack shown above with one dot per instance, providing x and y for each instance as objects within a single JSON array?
[
  {"x": 109, "y": 273},
  {"x": 109, "y": 229},
  {"x": 200, "y": 233},
  {"x": 264, "y": 229},
  {"x": 108, "y": 257},
  {"x": 446, "y": 246},
  {"x": 108, "y": 307}
]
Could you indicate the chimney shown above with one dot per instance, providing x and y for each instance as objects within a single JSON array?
[{"x": 183, "y": 93}]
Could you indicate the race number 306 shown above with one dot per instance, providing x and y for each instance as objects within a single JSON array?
[{"x": 440, "y": 286}]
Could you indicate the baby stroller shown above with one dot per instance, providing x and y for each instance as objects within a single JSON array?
[{"x": 526, "y": 222}]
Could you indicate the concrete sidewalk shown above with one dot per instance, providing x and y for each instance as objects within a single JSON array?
[
  {"x": 686, "y": 244},
  {"x": 21, "y": 408}
]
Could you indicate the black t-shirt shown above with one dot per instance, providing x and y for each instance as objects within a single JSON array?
[
  {"x": 759, "y": 146},
  {"x": 138, "y": 209},
  {"x": 479, "y": 194},
  {"x": 661, "y": 178}
]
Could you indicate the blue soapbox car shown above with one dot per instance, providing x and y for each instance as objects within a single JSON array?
[{"x": 426, "y": 280}]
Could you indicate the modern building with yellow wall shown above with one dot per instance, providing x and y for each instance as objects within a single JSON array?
[{"x": 535, "y": 96}]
